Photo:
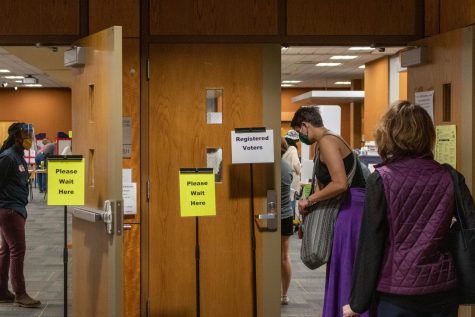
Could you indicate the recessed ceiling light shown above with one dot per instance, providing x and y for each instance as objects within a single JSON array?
[
  {"x": 33, "y": 85},
  {"x": 344, "y": 57},
  {"x": 4, "y": 71},
  {"x": 286, "y": 85},
  {"x": 13, "y": 77},
  {"x": 361, "y": 48},
  {"x": 343, "y": 83},
  {"x": 362, "y": 66},
  {"x": 328, "y": 64},
  {"x": 18, "y": 81},
  {"x": 291, "y": 81}
]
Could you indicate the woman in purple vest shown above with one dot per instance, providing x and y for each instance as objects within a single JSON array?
[
  {"x": 337, "y": 161},
  {"x": 401, "y": 260}
]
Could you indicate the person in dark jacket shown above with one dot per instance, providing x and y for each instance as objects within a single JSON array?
[
  {"x": 13, "y": 214},
  {"x": 402, "y": 258}
]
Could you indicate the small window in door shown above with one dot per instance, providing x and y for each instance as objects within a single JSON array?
[
  {"x": 214, "y": 106},
  {"x": 214, "y": 160}
]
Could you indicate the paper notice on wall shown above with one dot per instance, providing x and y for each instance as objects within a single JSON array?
[
  {"x": 252, "y": 147},
  {"x": 126, "y": 175},
  {"x": 129, "y": 195},
  {"x": 446, "y": 144},
  {"x": 126, "y": 137},
  {"x": 425, "y": 99}
]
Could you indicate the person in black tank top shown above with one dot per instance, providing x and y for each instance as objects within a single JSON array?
[{"x": 335, "y": 165}]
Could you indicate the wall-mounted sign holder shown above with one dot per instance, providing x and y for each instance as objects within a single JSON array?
[{"x": 65, "y": 158}]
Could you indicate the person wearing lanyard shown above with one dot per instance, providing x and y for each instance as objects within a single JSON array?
[{"x": 13, "y": 214}]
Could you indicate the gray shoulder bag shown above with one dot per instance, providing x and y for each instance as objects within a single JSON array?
[{"x": 319, "y": 224}]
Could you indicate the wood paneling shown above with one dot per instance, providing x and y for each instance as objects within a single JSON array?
[
  {"x": 131, "y": 108},
  {"x": 343, "y": 17},
  {"x": 456, "y": 14},
  {"x": 97, "y": 127},
  {"x": 445, "y": 56},
  {"x": 177, "y": 103},
  {"x": 4, "y": 125},
  {"x": 232, "y": 17},
  {"x": 132, "y": 271},
  {"x": 49, "y": 110},
  {"x": 376, "y": 86},
  {"x": 107, "y": 13},
  {"x": 45, "y": 17},
  {"x": 432, "y": 17}
]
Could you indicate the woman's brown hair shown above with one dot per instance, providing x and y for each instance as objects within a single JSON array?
[
  {"x": 405, "y": 130},
  {"x": 283, "y": 146}
]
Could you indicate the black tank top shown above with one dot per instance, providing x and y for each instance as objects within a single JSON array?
[{"x": 324, "y": 178}]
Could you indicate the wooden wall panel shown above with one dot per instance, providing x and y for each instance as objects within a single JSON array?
[
  {"x": 106, "y": 13},
  {"x": 45, "y": 17},
  {"x": 215, "y": 17},
  {"x": 431, "y": 17},
  {"x": 131, "y": 108},
  {"x": 131, "y": 266},
  {"x": 445, "y": 55},
  {"x": 177, "y": 103},
  {"x": 456, "y": 14},
  {"x": 376, "y": 86},
  {"x": 49, "y": 110},
  {"x": 355, "y": 17}
]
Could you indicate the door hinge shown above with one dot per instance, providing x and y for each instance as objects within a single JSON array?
[
  {"x": 147, "y": 309},
  {"x": 148, "y": 69},
  {"x": 148, "y": 190}
]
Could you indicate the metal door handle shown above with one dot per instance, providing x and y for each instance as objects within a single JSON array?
[{"x": 112, "y": 213}]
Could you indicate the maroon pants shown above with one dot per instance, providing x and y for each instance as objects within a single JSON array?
[{"x": 12, "y": 250}]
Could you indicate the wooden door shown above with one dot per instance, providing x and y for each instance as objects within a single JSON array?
[
  {"x": 178, "y": 137},
  {"x": 97, "y": 131}
]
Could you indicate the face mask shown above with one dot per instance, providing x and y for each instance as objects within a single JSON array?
[
  {"x": 27, "y": 144},
  {"x": 304, "y": 139}
]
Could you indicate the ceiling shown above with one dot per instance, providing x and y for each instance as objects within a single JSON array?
[
  {"x": 298, "y": 64},
  {"x": 43, "y": 63}
]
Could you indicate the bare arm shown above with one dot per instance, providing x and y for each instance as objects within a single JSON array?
[{"x": 330, "y": 153}]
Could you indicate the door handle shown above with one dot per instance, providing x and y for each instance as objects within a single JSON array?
[{"x": 112, "y": 213}]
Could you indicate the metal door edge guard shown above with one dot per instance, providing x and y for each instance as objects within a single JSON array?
[{"x": 107, "y": 215}]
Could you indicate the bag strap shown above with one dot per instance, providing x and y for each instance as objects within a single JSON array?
[
  {"x": 317, "y": 164},
  {"x": 458, "y": 203}
]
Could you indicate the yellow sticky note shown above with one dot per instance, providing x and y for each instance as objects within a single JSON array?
[
  {"x": 66, "y": 182},
  {"x": 197, "y": 194}
]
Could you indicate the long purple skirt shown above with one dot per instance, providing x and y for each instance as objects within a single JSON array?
[{"x": 340, "y": 266}]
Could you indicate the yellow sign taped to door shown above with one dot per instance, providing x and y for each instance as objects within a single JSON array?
[
  {"x": 197, "y": 193},
  {"x": 66, "y": 182}
]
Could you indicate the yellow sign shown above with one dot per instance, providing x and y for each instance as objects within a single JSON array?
[
  {"x": 446, "y": 144},
  {"x": 197, "y": 194},
  {"x": 66, "y": 182},
  {"x": 70, "y": 134}
]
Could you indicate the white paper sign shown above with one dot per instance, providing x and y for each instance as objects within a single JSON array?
[
  {"x": 253, "y": 147},
  {"x": 425, "y": 99},
  {"x": 126, "y": 175},
  {"x": 129, "y": 195}
]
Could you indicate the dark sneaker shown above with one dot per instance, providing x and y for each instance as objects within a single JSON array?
[
  {"x": 26, "y": 301},
  {"x": 8, "y": 297}
]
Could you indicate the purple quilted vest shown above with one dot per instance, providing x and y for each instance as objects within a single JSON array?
[{"x": 420, "y": 198}]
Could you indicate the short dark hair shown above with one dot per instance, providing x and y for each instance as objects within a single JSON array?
[
  {"x": 310, "y": 114},
  {"x": 291, "y": 142},
  {"x": 405, "y": 129}
]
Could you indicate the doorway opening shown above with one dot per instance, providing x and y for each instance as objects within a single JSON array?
[{"x": 352, "y": 86}]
